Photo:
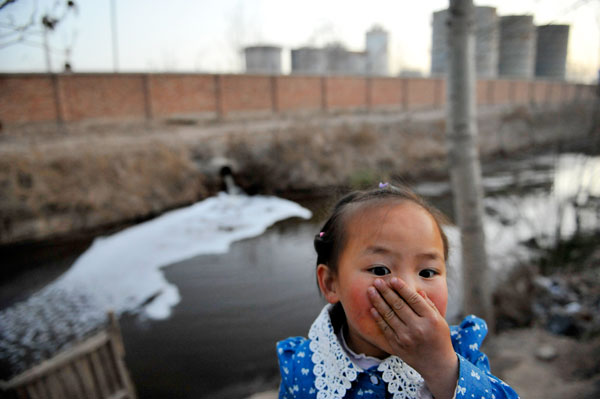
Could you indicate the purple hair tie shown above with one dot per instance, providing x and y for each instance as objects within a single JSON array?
[
  {"x": 321, "y": 234},
  {"x": 383, "y": 185}
]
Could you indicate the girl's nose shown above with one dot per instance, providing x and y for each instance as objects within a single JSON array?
[{"x": 410, "y": 281}]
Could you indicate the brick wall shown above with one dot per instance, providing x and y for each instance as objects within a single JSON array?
[
  {"x": 299, "y": 93},
  {"x": 539, "y": 93},
  {"x": 241, "y": 93},
  {"x": 421, "y": 93},
  {"x": 172, "y": 94},
  {"x": 345, "y": 92},
  {"x": 102, "y": 96},
  {"x": 27, "y": 99},
  {"x": 482, "y": 92},
  {"x": 520, "y": 92},
  {"x": 75, "y": 97},
  {"x": 501, "y": 92},
  {"x": 386, "y": 92}
]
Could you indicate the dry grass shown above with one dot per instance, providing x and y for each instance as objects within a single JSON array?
[{"x": 54, "y": 196}]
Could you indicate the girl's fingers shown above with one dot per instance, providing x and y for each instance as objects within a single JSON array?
[
  {"x": 394, "y": 302},
  {"x": 388, "y": 331},
  {"x": 412, "y": 298},
  {"x": 429, "y": 301},
  {"x": 384, "y": 311}
]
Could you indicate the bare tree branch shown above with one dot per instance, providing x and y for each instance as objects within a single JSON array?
[
  {"x": 35, "y": 27},
  {"x": 5, "y": 3}
]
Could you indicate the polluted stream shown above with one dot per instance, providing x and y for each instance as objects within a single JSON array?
[{"x": 204, "y": 292}]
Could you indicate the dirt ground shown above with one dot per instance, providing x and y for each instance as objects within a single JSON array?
[{"x": 574, "y": 372}]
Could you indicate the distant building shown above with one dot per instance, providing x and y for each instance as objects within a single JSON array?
[
  {"x": 341, "y": 61},
  {"x": 336, "y": 59},
  {"x": 410, "y": 73},
  {"x": 517, "y": 46},
  {"x": 510, "y": 46},
  {"x": 377, "y": 52},
  {"x": 551, "y": 51},
  {"x": 263, "y": 60},
  {"x": 486, "y": 42},
  {"x": 309, "y": 61},
  {"x": 356, "y": 63}
]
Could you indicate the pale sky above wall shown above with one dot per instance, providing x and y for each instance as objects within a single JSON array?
[{"x": 204, "y": 35}]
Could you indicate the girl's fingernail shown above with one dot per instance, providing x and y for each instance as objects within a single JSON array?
[
  {"x": 397, "y": 282},
  {"x": 378, "y": 283},
  {"x": 371, "y": 291}
]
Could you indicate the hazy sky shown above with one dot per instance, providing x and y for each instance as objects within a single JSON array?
[{"x": 204, "y": 35}]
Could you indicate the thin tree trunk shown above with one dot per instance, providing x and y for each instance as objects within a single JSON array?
[{"x": 463, "y": 158}]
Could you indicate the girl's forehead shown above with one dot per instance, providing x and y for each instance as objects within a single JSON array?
[
  {"x": 376, "y": 212},
  {"x": 392, "y": 220}
]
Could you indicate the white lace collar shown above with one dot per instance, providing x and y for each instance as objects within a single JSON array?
[
  {"x": 334, "y": 371},
  {"x": 359, "y": 359}
]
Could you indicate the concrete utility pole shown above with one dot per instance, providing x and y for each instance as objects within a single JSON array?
[
  {"x": 465, "y": 171},
  {"x": 115, "y": 43},
  {"x": 47, "y": 50}
]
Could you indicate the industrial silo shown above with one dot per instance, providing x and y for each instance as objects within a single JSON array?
[
  {"x": 308, "y": 61},
  {"x": 486, "y": 42},
  {"x": 439, "y": 43},
  {"x": 517, "y": 46},
  {"x": 551, "y": 51},
  {"x": 356, "y": 63},
  {"x": 263, "y": 60},
  {"x": 341, "y": 61},
  {"x": 377, "y": 52},
  {"x": 336, "y": 59}
]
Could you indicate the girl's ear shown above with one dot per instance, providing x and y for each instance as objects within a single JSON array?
[{"x": 327, "y": 283}]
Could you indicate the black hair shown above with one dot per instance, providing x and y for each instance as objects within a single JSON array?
[{"x": 330, "y": 241}]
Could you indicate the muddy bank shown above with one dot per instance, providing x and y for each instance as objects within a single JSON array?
[{"x": 85, "y": 177}]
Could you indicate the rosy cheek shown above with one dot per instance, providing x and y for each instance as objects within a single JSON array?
[
  {"x": 440, "y": 300},
  {"x": 357, "y": 304},
  {"x": 360, "y": 302}
]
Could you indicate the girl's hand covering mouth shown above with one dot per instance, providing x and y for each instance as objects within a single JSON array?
[{"x": 416, "y": 332}]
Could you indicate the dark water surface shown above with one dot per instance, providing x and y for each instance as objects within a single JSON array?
[{"x": 220, "y": 339}]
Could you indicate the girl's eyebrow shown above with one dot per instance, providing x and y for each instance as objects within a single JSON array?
[
  {"x": 434, "y": 255},
  {"x": 379, "y": 250}
]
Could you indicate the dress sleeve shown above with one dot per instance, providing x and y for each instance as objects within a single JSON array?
[
  {"x": 286, "y": 353},
  {"x": 475, "y": 379}
]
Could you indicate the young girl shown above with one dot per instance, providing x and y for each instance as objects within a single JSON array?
[{"x": 381, "y": 265}]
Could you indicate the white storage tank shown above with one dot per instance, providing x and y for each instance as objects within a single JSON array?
[
  {"x": 551, "y": 51},
  {"x": 486, "y": 42},
  {"x": 377, "y": 51},
  {"x": 338, "y": 59},
  {"x": 356, "y": 63},
  {"x": 517, "y": 46},
  {"x": 308, "y": 61},
  {"x": 263, "y": 60},
  {"x": 439, "y": 43}
]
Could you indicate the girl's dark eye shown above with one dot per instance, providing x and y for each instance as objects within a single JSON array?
[
  {"x": 427, "y": 273},
  {"x": 379, "y": 270}
]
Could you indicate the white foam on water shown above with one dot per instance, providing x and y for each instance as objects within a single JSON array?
[{"x": 122, "y": 271}]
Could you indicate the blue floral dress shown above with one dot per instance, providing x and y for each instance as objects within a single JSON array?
[{"x": 318, "y": 367}]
